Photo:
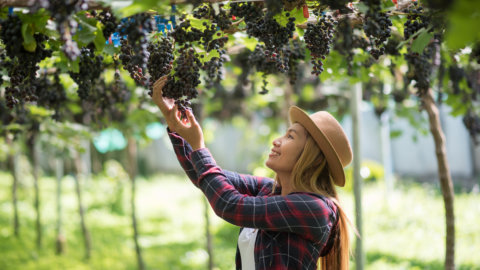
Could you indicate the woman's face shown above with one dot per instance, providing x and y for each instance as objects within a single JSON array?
[{"x": 287, "y": 149}]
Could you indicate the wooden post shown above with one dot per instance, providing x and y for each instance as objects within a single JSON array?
[
  {"x": 132, "y": 172},
  {"x": 81, "y": 209},
  {"x": 36, "y": 174},
  {"x": 60, "y": 239},
  {"x": 357, "y": 179}
]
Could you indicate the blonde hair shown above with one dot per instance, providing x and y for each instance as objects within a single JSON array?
[{"x": 310, "y": 174}]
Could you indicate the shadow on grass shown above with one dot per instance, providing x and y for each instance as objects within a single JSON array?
[{"x": 414, "y": 263}]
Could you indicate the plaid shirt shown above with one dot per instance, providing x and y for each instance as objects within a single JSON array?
[{"x": 294, "y": 230}]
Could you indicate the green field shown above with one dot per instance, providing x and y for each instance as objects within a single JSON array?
[{"x": 402, "y": 230}]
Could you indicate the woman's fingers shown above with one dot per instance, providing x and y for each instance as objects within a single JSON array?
[
  {"x": 191, "y": 118},
  {"x": 162, "y": 81}
]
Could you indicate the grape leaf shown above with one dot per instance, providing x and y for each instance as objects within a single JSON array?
[
  {"x": 421, "y": 41},
  {"x": 29, "y": 42}
]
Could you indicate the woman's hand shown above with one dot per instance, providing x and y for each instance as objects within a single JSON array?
[{"x": 188, "y": 128}]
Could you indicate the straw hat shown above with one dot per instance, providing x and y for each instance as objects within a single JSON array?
[{"x": 330, "y": 137}]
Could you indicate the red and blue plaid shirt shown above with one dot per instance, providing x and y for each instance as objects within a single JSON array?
[{"x": 294, "y": 230}]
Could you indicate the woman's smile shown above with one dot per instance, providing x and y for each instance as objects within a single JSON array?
[{"x": 274, "y": 153}]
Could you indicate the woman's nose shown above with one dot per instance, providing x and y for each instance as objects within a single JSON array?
[{"x": 276, "y": 143}]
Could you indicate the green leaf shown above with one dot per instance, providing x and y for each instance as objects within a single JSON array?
[
  {"x": 207, "y": 56},
  {"x": 281, "y": 19},
  {"x": 99, "y": 40},
  {"x": 39, "y": 111},
  {"x": 111, "y": 49},
  {"x": 463, "y": 18},
  {"x": 87, "y": 30},
  {"x": 421, "y": 41},
  {"x": 29, "y": 42},
  {"x": 139, "y": 6},
  {"x": 298, "y": 14},
  {"x": 198, "y": 23}
]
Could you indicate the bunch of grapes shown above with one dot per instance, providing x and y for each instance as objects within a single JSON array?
[
  {"x": 419, "y": 69},
  {"x": 182, "y": 85},
  {"x": 275, "y": 36},
  {"x": 51, "y": 94},
  {"x": 377, "y": 28},
  {"x": 475, "y": 54},
  {"x": 249, "y": 11},
  {"x": 472, "y": 123},
  {"x": 213, "y": 68},
  {"x": 222, "y": 19},
  {"x": 416, "y": 20},
  {"x": 21, "y": 65},
  {"x": 160, "y": 60},
  {"x": 109, "y": 100},
  {"x": 318, "y": 38},
  {"x": 62, "y": 11},
  {"x": 109, "y": 21},
  {"x": 3, "y": 61},
  {"x": 456, "y": 75},
  {"x": 335, "y": 4},
  {"x": 184, "y": 33},
  {"x": 134, "y": 49},
  {"x": 90, "y": 69},
  {"x": 274, "y": 6},
  {"x": 203, "y": 11},
  {"x": 295, "y": 52}
]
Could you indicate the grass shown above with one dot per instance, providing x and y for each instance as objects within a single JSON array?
[{"x": 404, "y": 229}]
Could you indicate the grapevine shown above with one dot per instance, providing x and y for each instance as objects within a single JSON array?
[{"x": 21, "y": 65}]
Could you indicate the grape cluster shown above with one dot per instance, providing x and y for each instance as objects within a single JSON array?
[
  {"x": 184, "y": 33},
  {"x": 416, "y": 20},
  {"x": 182, "y": 85},
  {"x": 336, "y": 5},
  {"x": 296, "y": 53},
  {"x": 160, "y": 60},
  {"x": 213, "y": 69},
  {"x": 456, "y": 75},
  {"x": 377, "y": 28},
  {"x": 203, "y": 11},
  {"x": 275, "y": 36},
  {"x": 134, "y": 48},
  {"x": 318, "y": 38},
  {"x": 249, "y": 11},
  {"x": 292, "y": 53},
  {"x": 419, "y": 69},
  {"x": 51, "y": 94},
  {"x": 3, "y": 61},
  {"x": 222, "y": 19},
  {"x": 472, "y": 123},
  {"x": 475, "y": 54},
  {"x": 109, "y": 21},
  {"x": 274, "y": 6},
  {"x": 109, "y": 100},
  {"x": 90, "y": 69},
  {"x": 21, "y": 65},
  {"x": 61, "y": 12},
  {"x": 266, "y": 29}
]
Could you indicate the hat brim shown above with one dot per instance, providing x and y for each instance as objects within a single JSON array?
[{"x": 297, "y": 115}]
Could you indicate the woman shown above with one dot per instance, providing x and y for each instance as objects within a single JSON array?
[{"x": 292, "y": 222}]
